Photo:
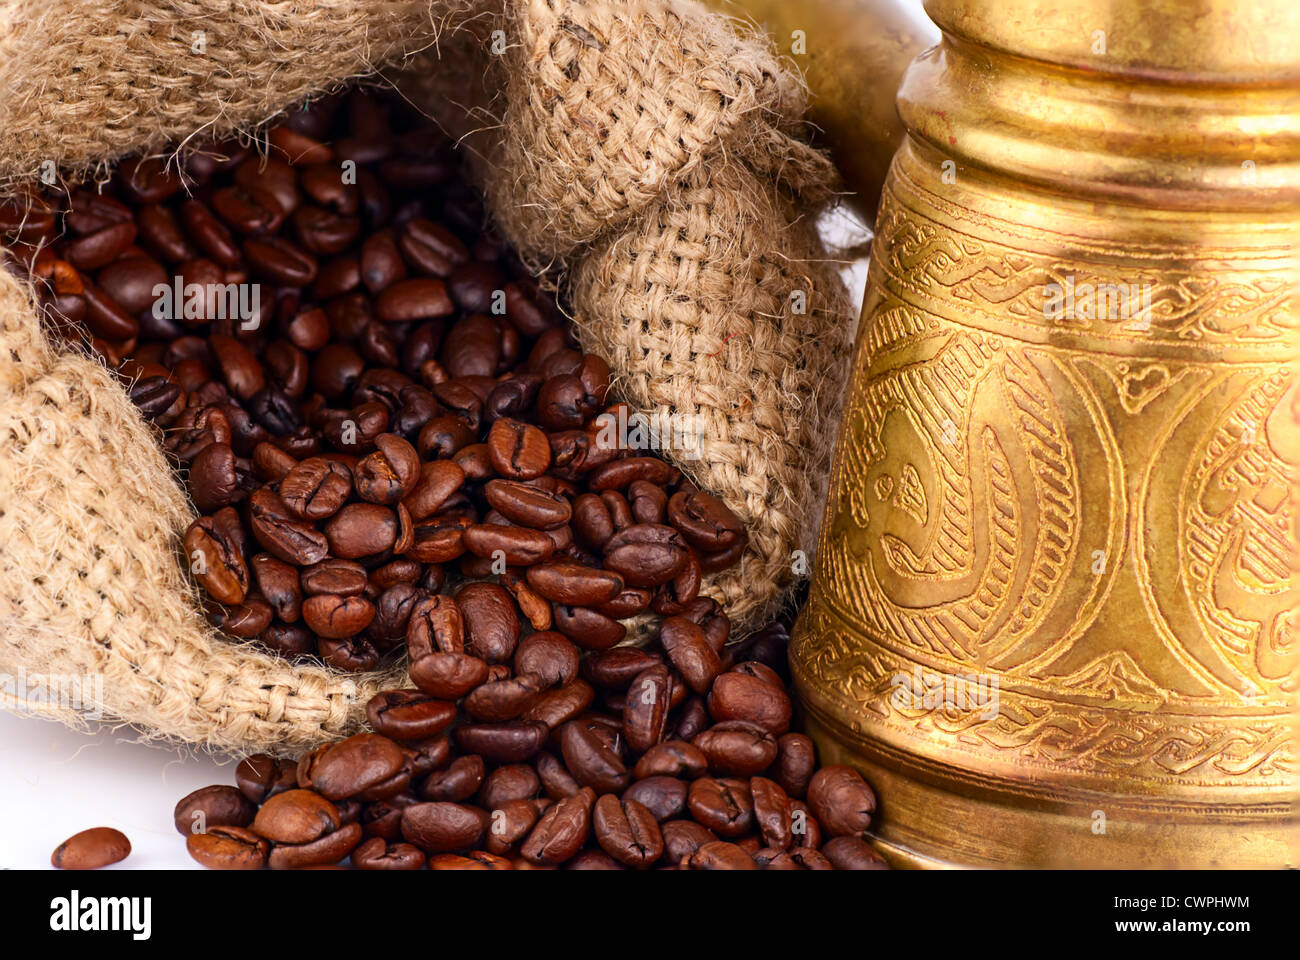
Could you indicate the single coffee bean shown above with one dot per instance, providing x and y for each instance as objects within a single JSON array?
[
  {"x": 772, "y": 813},
  {"x": 492, "y": 626},
  {"x": 588, "y": 628},
  {"x": 228, "y": 848},
  {"x": 796, "y": 759},
  {"x": 91, "y": 849},
  {"x": 295, "y": 816},
  {"x": 721, "y": 856},
  {"x": 457, "y": 783},
  {"x": 738, "y": 696},
  {"x": 260, "y": 776},
  {"x": 690, "y": 652},
  {"x": 361, "y": 530},
  {"x": 664, "y": 797},
  {"x": 627, "y": 831},
  {"x": 562, "y": 829},
  {"x": 853, "y": 853},
  {"x": 519, "y": 451},
  {"x": 379, "y": 854},
  {"x": 512, "y": 742},
  {"x": 723, "y": 805},
  {"x": 645, "y": 713},
  {"x": 323, "y": 851},
  {"x": 443, "y": 827},
  {"x": 215, "y": 806},
  {"x": 342, "y": 578},
  {"x": 841, "y": 800},
  {"x": 646, "y": 554},
  {"x": 335, "y": 617},
  {"x": 281, "y": 534},
  {"x": 560, "y": 705},
  {"x": 590, "y": 760},
  {"x": 408, "y": 714},
  {"x": 550, "y": 656},
  {"x": 682, "y": 838},
  {"x": 737, "y": 748},
  {"x": 448, "y": 676},
  {"x": 673, "y": 758}
]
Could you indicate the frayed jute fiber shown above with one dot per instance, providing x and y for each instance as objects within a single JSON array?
[{"x": 647, "y": 151}]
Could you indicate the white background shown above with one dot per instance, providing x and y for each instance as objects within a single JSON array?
[{"x": 55, "y": 781}]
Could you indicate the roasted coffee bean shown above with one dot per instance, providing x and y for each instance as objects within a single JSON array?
[
  {"x": 690, "y": 652},
  {"x": 738, "y": 696},
  {"x": 535, "y": 608},
  {"x": 852, "y": 853},
  {"x": 228, "y": 848},
  {"x": 335, "y": 617},
  {"x": 590, "y": 760},
  {"x": 645, "y": 713},
  {"x": 499, "y": 700},
  {"x": 448, "y": 676},
  {"x": 772, "y": 813},
  {"x": 354, "y": 766},
  {"x": 440, "y": 827},
  {"x": 736, "y": 748},
  {"x": 617, "y": 668},
  {"x": 215, "y": 806},
  {"x": 457, "y": 783},
  {"x": 665, "y": 797},
  {"x": 527, "y": 504},
  {"x": 389, "y": 473},
  {"x": 519, "y": 451},
  {"x": 491, "y": 624},
  {"x": 281, "y": 534},
  {"x": 341, "y": 578},
  {"x": 571, "y": 583},
  {"x": 841, "y": 801},
  {"x": 560, "y": 705},
  {"x": 295, "y": 816},
  {"x": 705, "y": 521},
  {"x": 796, "y": 759},
  {"x": 627, "y": 831},
  {"x": 719, "y": 855},
  {"x": 620, "y": 474},
  {"x": 673, "y": 758},
  {"x": 588, "y": 628},
  {"x": 260, "y": 776},
  {"x": 516, "y": 546},
  {"x": 379, "y": 854},
  {"x": 562, "y": 829},
  {"x": 435, "y": 483},
  {"x": 353, "y": 654},
  {"x": 419, "y": 298},
  {"x": 216, "y": 559},
  {"x": 548, "y": 655},
  {"x": 91, "y": 849},
  {"x": 725, "y": 806},
  {"x": 512, "y": 742},
  {"x": 325, "y": 850},
  {"x": 408, "y": 714},
  {"x": 646, "y": 554},
  {"x": 682, "y": 838},
  {"x": 361, "y": 530}
]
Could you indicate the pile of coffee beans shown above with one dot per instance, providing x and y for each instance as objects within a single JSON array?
[
  {"x": 402, "y": 410},
  {"x": 393, "y": 442},
  {"x": 677, "y": 755}
]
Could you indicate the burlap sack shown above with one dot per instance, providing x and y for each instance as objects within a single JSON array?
[{"x": 645, "y": 147}]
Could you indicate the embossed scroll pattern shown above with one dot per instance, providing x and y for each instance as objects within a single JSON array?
[{"x": 1106, "y": 524}]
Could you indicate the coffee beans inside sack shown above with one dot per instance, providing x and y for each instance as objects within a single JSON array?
[{"x": 394, "y": 445}]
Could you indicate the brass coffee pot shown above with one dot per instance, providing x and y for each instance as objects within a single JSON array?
[{"x": 1055, "y": 608}]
